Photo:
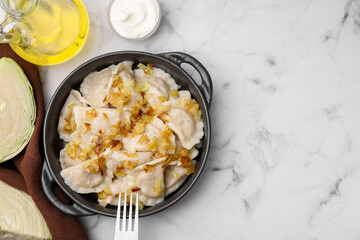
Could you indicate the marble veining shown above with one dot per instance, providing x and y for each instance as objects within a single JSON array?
[{"x": 285, "y": 151}]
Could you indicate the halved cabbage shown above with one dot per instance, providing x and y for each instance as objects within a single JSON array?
[
  {"x": 19, "y": 216},
  {"x": 17, "y": 109}
]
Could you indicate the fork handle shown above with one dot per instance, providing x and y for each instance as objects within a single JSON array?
[{"x": 47, "y": 181}]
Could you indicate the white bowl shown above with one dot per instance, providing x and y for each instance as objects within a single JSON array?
[{"x": 150, "y": 32}]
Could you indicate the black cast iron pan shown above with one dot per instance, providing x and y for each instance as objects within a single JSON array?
[{"x": 86, "y": 204}]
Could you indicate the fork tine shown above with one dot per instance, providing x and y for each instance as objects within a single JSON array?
[
  {"x": 130, "y": 214},
  {"x": 117, "y": 223},
  {"x": 136, "y": 222},
  {"x": 123, "y": 228}
]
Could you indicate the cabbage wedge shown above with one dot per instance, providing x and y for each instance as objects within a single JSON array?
[
  {"x": 17, "y": 109},
  {"x": 19, "y": 216}
]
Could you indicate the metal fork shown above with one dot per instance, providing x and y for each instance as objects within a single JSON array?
[{"x": 124, "y": 229}]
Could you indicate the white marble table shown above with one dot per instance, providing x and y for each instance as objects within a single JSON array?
[{"x": 285, "y": 156}]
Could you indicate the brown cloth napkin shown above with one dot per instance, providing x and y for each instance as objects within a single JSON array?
[{"x": 23, "y": 171}]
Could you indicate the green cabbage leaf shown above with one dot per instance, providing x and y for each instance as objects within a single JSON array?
[
  {"x": 17, "y": 109},
  {"x": 19, "y": 216}
]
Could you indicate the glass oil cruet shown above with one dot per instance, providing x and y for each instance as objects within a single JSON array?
[{"x": 44, "y": 32}]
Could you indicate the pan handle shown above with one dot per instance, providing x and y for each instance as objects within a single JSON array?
[
  {"x": 47, "y": 180},
  {"x": 206, "y": 85}
]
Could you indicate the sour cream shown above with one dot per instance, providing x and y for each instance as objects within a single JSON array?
[{"x": 134, "y": 19}]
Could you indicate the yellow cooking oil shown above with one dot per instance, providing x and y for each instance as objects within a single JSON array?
[{"x": 53, "y": 32}]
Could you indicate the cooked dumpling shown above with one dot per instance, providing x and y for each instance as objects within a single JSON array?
[
  {"x": 124, "y": 70},
  {"x": 158, "y": 90},
  {"x": 66, "y": 125},
  {"x": 120, "y": 92},
  {"x": 123, "y": 98},
  {"x": 97, "y": 121},
  {"x": 185, "y": 126},
  {"x": 87, "y": 177},
  {"x": 94, "y": 87},
  {"x": 176, "y": 173},
  {"x": 159, "y": 73},
  {"x": 151, "y": 184},
  {"x": 159, "y": 86},
  {"x": 152, "y": 130},
  {"x": 193, "y": 152},
  {"x": 113, "y": 192},
  {"x": 121, "y": 184},
  {"x": 67, "y": 161},
  {"x": 185, "y": 119},
  {"x": 174, "y": 176}
]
